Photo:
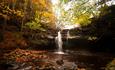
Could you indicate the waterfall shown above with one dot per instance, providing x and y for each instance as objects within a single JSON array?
[
  {"x": 59, "y": 37},
  {"x": 59, "y": 43},
  {"x": 68, "y": 36}
]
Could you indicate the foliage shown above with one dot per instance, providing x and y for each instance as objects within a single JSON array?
[
  {"x": 23, "y": 11},
  {"x": 20, "y": 55},
  {"x": 5, "y": 10},
  {"x": 83, "y": 20},
  {"x": 77, "y": 12},
  {"x": 103, "y": 27},
  {"x": 104, "y": 10},
  {"x": 12, "y": 40},
  {"x": 111, "y": 65},
  {"x": 80, "y": 11},
  {"x": 35, "y": 23},
  {"x": 43, "y": 17}
]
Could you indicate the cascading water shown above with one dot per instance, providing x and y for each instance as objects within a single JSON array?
[
  {"x": 68, "y": 36},
  {"x": 59, "y": 43}
]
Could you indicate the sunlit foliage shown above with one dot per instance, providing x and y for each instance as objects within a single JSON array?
[
  {"x": 6, "y": 10},
  {"x": 35, "y": 23},
  {"x": 43, "y": 16},
  {"x": 24, "y": 11},
  {"x": 78, "y": 11}
]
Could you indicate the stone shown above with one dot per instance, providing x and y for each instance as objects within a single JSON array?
[{"x": 60, "y": 62}]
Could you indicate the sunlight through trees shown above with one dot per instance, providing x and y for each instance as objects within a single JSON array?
[{"x": 69, "y": 12}]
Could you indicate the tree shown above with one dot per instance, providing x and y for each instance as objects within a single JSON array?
[
  {"x": 42, "y": 14},
  {"x": 75, "y": 12},
  {"x": 12, "y": 14},
  {"x": 78, "y": 11}
]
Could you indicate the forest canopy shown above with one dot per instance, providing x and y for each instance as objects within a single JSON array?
[{"x": 41, "y": 14}]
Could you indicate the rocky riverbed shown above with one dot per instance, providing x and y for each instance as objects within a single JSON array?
[{"x": 48, "y": 60}]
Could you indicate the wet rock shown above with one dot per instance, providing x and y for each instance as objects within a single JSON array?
[
  {"x": 60, "y": 62},
  {"x": 70, "y": 65},
  {"x": 5, "y": 66},
  {"x": 23, "y": 64},
  {"x": 28, "y": 68},
  {"x": 82, "y": 65},
  {"x": 61, "y": 68},
  {"x": 14, "y": 67}
]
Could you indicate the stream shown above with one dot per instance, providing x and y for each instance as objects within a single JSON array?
[
  {"x": 70, "y": 60},
  {"x": 64, "y": 57}
]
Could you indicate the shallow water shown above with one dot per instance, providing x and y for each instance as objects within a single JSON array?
[
  {"x": 50, "y": 60},
  {"x": 80, "y": 59}
]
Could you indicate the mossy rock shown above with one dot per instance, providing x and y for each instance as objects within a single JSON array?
[
  {"x": 40, "y": 42},
  {"x": 111, "y": 65}
]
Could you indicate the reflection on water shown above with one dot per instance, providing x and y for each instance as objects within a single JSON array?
[
  {"x": 80, "y": 59},
  {"x": 59, "y": 52},
  {"x": 49, "y": 60}
]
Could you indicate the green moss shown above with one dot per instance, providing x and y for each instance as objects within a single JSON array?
[{"x": 111, "y": 65}]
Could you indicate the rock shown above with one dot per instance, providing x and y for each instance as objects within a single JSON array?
[
  {"x": 14, "y": 67},
  {"x": 25, "y": 68},
  {"x": 28, "y": 68},
  {"x": 5, "y": 66},
  {"x": 23, "y": 64},
  {"x": 70, "y": 65},
  {"x": 59, "y": 62}
]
